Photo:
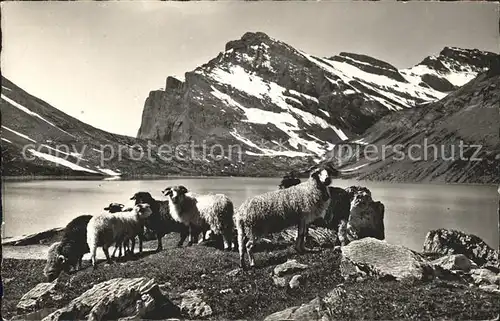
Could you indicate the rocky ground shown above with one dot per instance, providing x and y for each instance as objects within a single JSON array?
[{"x": 329, "y": 284}]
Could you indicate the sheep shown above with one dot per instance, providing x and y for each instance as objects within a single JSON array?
[
  {"x": 106, "y": 229},
  {"x": 68, "y": 253},
  {"x": 289, "y": 180},
  {"x": 161, "y": 222},
  {"x": 117, "y": 208},
  {"x": 202, "y": 212},
  {"x": 276, "y": 210}
]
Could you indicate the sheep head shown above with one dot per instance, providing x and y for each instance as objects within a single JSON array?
[
  {"x": 142, "y": 210},
  {"x": 142, "y": 198},
  {"x": 114, "y": 207},
  {"x": 175, "y": 193},
  {"x": 324, "y": 174},
  {"x": 56, "y": 263}
]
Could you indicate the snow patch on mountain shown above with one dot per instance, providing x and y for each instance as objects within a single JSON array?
[
  {"x": 455, "y": 78},
  {"x": 59, "y": 161},
  {"x": 19, "y": 134},
  {"x": 108, "y": 171},
  {"x": 29, "y": 112}
]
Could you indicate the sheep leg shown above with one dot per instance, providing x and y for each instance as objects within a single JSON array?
[
  {"x": 241, "y": 248},
  {"x": 191, "y": 235},
  {"x": 106, "y": 253},
  {"x": 250, "y": 247},
  {"x": 132, "y": 246},
  {"x": 228, "y": 238},
  {"x": 140, "y": 236},
  {"x": 93, "y": 253},
  {"x": 300, "y": 242},
  {"x": 184, "y": 234},
  {"x": 114, "y": 251},
  {"x": 160, "y": 246}
]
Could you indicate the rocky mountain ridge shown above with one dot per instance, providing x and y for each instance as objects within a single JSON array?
[
  {"x": 274, "y": 99},
  {"x": 38, "y": 139}
]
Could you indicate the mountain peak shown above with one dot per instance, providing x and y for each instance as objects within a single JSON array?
[{"x": 247, "y": 40}]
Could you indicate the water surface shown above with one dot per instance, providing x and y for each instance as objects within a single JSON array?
[{"x": 411, "y": 210}]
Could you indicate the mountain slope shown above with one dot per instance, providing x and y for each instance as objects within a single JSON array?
[
  {"x": 38, "y": 139},
  {"x": 454, "y": 140},
  {"x": 273, "y": 99}
]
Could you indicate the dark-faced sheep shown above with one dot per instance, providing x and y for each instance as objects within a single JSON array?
[
  {"x": 274, "y": 211},
  {"x": 68, "y": 253},
  {"x": 107, "y": 229},
  {"x": 202, "y": 212},
  {"x": 160, "y": 221}
]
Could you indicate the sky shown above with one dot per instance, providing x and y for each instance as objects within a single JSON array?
[{"x": 98, "y": 61}]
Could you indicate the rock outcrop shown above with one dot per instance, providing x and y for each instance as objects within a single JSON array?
[
  {"x": 283, "y": 274},
  {"x": 117, "y": 298},
  {"x": 313, "y": 310},
  {"x": 445, "y": 241},
  {"x": 366, "y": 217},
  {"x": 194, "y": 306},
  {"x": 386, "y": 260},
  {"x": 43, "y": 294},
  {"x": 454, "y": 262}
]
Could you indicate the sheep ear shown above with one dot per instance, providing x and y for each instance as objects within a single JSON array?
[
  {"x": 133, "y": 197},
  {"x": 167, "y": 191},
  {"x": 182, "y": 189}
]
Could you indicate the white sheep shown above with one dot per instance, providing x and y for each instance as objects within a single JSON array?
[
  {"x": 107, "y": 229},
  {"x": 274, "y": 211},
  {"x": 202, "y": 212},
  {"x": 118, "y": 208}
]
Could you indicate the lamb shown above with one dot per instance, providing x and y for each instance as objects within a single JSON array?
[
  {"x": 160, "y": 221},
  {"x": 106, "y": 229},
  {"x": 202, "y": 212},
  {"x": 276, "y": 210},
  {"x": 68, "y": 253}
]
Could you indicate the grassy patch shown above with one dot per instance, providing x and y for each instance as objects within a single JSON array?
[{"x": 253, "y": 294}]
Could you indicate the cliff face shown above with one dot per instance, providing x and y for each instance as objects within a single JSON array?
[{"x": 273, "y": 99}]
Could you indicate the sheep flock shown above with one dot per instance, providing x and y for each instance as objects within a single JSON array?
[{"x": 193, "y": 215}]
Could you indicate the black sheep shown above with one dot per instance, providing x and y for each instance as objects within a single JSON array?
[
  {"x": 160, "y": 221},
  {"x": 68, "y": 253}
]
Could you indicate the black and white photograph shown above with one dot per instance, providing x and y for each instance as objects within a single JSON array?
[{"x": 250, "y": 160}]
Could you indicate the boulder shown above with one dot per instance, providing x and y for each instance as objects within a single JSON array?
[
  {"x": 115, "y": 299},
  {"x": 279, "y": 281},
  {"x": 366, "y": 217},
  {"x": 295, "y": 281},
  {"x": 445, "y": 241},
  {"x": 193, "y": 305},
  {"x": 454, "y": 262},
  {"x": 313, "y": 310},
  {"x": 485, "y": 276},
  {"x": 290, "y": 266},
  {"x": 386, "y": 260},
  {"x": 316, "y": 236},
  {"x": 39, "y": 297}
]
